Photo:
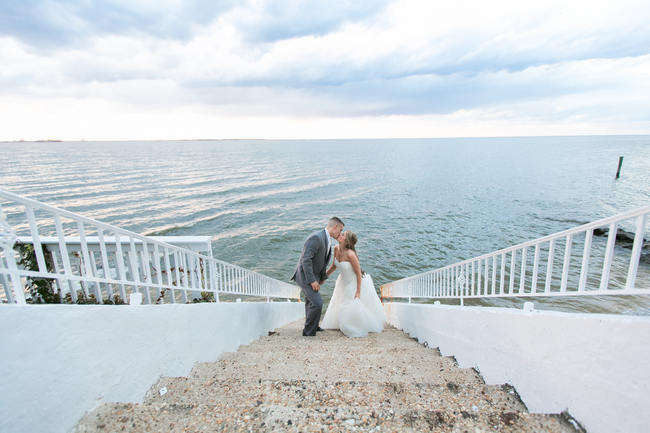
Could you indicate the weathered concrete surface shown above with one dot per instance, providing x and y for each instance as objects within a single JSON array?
[{"x": 284, "y": 381}]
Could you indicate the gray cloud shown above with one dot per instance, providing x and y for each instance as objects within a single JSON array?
[
  {"x": 279, "y": 20},
  {"x": 460, "y": 68},
  {"x": 49, "y": 24}
]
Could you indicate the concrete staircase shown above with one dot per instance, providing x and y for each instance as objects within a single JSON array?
[{"x": 287, "y": 382}]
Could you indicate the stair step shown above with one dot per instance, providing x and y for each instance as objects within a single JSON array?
[
  {"x": 223, "y": 417},
  {"x": 306, "y": 393},
  {"x": 398, "y": 367},
  {"x": 287, "y": 382}
]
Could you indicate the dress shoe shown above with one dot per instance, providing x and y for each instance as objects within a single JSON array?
[
  {"x": 308, "y": 335},
  {"x": 319, "y": 329}
]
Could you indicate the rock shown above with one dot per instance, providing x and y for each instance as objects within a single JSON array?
[{"x": 623, "y": 238}]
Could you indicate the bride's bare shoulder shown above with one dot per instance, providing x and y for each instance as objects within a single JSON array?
[{"x": 351, "y": 255}]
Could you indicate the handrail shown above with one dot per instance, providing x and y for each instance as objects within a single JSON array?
[
  {"x": 135, "y": 263},
  {"x": 483, "y": 277}
]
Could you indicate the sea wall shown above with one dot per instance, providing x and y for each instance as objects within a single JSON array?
[
  {"x": 593, "y": 365},
  {"x": 60, "y": 361}
]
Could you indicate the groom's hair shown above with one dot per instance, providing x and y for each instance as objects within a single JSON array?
[{"x": 335, "y": 221}]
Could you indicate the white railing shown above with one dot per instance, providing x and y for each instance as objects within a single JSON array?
[
  {"x": 532, "y": 269},
  {"x": 124, "y": 262}
]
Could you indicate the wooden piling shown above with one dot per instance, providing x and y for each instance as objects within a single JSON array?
[{"x": 620, "y": 163}]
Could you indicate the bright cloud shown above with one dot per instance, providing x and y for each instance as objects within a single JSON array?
[{"x": 273, "y": 69}]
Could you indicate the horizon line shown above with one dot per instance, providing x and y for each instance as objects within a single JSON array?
[{"x": 315, "y": 139}]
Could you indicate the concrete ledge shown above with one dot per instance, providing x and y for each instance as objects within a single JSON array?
[
  {"x": 60, "y": 361},
  {"x": 596, "y": 366}
]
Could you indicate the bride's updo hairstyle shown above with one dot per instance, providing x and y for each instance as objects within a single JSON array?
[{"x": 350, "y": 241}]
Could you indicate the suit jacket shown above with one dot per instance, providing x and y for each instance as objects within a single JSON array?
[{"x": 314, "y": 258}]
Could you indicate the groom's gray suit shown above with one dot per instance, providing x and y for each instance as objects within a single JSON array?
[{"x": 312, "y": 266}]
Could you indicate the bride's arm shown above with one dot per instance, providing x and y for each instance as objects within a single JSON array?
[
  {"x": 354, "y": 261},
  {"x": 333, "y": 267}
]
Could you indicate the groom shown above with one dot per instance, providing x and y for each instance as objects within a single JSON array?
[{"x": 312, "y": 271}]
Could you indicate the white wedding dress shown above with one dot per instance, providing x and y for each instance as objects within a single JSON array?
[{"x": 354, "y": 317}]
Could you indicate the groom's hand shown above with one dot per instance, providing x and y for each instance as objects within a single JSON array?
[{"x": 315, "y": 286}]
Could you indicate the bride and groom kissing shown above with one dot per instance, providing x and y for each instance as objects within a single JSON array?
[{"x": 355, "y": 308}]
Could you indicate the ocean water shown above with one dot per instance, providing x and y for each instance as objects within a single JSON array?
[{"x": 416, "y": 204}]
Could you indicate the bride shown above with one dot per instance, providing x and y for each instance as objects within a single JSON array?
[{"x": 355, "y": 308}]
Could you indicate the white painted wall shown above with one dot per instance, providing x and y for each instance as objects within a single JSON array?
[
  {"x": 597, "y": 366},
  {"x": 60, "y": 361}
]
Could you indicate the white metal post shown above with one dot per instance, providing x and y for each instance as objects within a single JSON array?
[
  {"x": 7, "y": 241},
  {"x": 609, "y": 256},
  {"x": 636, "y": 251},
  {"x": 19, "y": 291}
]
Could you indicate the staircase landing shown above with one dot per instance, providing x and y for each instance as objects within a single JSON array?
[{"x": 284, "y": 381}]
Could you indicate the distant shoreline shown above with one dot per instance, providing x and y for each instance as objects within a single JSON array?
[{"x": 320, "y": 139}]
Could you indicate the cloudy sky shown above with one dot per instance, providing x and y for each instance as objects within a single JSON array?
[{"x": 171, "y": 69}]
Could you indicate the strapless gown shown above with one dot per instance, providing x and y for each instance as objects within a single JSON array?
[{"x": 354, "y": 317}]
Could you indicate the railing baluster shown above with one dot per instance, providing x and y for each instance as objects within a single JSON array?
[
  {"x": 636, "y": 252},
  {"x": 448, "y": 282},
  {"x": 146, "y": 273},
  {"x": 478, "y": 277},
  {"x": 494, "y": 275},
  {"x": 434, "y": 279},
  {"x": 158, "y": 269},
  {"x": 434, "y": 284},
  {"x": 549, "y": 266},
  {"x": 86, "y": 259},
  {"x": 168, "y": 270},
  {"x": 222, "y": 277},
  {"x": 204, "y": 271},
  {"x": 65, "y": 258},
  {"x": 133, "y": 260},
  {"x": 119, "y": 262},
  {"x": 184, "y": 275},
  {"x": 57, "y": 270},
  {"x": 584, "y": 268},
  {"x": 473, "y": 270},
  {"x": 19, "y": 290},
  {"x": 503, "y": 273},
  {"x": 609, "y": 256},
  {"x": 486, "y": 280},
  {"x": 567, "y": 261},
  {"x": 191, "y": 284},
  {"x": 228, "y": 282},
  {"x": 191, "y": 266},
  {"x": 512, "y": 272},
  {"x": 533, "y": 284},
  {"x": 36, "y": 239},
  {"x": 177, "y": 271},
  {"x": 522, "y": 279},
  {"x": 214, "y": 279},
  {"x": 84, "y": 283},
  {"x": 195, "y": 274},
  {"x": 7, "y": 286}
]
